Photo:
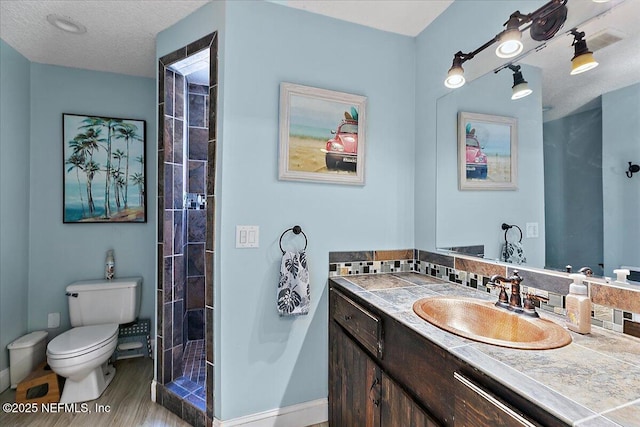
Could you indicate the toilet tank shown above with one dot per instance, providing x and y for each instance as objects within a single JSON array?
[{"x": 94, "y": 302}]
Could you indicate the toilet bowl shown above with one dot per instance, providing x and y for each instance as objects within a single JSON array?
[{"x": 81, "y": 354}]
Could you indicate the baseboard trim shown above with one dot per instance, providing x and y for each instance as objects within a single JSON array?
[
  {"x": 302, "y": 414},
  {"x": 5, "y": 380},
  {"x": 153, "y": 390}
]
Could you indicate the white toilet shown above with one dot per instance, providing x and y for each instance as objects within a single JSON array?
[{"x": 96, "y": 309}]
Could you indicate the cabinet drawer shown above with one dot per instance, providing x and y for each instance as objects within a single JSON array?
[
  {"x": 365, "y": 326},
  {"x": 476, "y": 407}
]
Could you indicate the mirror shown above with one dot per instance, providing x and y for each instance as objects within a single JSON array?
[{"x": 576, "y": 135}]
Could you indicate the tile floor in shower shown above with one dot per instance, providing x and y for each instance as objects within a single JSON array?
[{"x": 191, "y": 385}]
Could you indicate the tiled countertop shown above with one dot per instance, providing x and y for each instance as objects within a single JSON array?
[{"x": 592, "y": 382}]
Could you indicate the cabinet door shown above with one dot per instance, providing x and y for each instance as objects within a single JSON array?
[
  {"x": 399, "y": 410},
  {"x": 354, "y": 383},
  {"x": 476, "y": 407}
]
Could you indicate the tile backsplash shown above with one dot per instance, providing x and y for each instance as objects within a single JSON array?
[{"x": 614, "y": 308}]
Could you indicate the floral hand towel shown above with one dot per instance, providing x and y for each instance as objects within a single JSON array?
[
  {"x": 293, "y": 289},
  {"x": 513, "y": 252}
]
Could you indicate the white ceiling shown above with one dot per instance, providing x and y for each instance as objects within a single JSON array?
[
  {"x": 406, "y": 17},
  {"x": 120, "y": 37}
]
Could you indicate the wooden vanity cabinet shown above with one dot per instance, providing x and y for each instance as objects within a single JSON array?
[
  {"x": 360, "y": 393},
  {"x": 354, "y": 383},
  {"x": 382, "y": 373},
  {"x": 399, "y": 409},
  {"x": 476, "y": 407}
]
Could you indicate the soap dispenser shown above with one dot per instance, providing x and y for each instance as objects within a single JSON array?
[{"x": 578, "y": 305}]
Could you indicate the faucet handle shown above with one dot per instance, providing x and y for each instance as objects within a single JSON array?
[
  {"x": 529, "y": 298},
  {"x": 587, "y": 271},
  {"x": 502, "y": 296}
]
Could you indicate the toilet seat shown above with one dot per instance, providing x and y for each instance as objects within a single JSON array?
[{"x": 82, "y": 340}]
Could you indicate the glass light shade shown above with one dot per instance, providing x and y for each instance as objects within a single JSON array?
[
  {"x": 582, "y": 63},
  {"x": 455, "y": 77},
  {"x": 521, "y": 90},
  {"x": 66, "y": 24},
  {"x": 509, "y": 43}
]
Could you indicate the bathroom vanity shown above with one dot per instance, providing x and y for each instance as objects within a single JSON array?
[{"x": 389, "y": 367}]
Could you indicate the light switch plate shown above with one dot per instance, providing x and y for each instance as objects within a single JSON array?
[
  {"x": 532, "y": 230},
  {"x": 247, "y": 236}
]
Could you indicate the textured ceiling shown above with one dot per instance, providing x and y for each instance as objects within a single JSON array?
[
  {"x": 120, "y": 35},
  {"x": 619, "y": 63}
]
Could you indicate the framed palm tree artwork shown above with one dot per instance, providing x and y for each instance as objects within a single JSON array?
[{"x": 104, "y": 169}]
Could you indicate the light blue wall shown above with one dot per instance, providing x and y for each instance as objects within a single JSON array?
[
  {"x": 264, "y": 361},
  {"x": 272, "y": 361},
  {"x": 475, "y": 217},
  {"x": 465, "y": 25},
  {"x": 14, "y": 196},
  {"x": 620, "y": 145},
  {"x": 573, "y": 191},
  {"x": 62, "y": 253}
]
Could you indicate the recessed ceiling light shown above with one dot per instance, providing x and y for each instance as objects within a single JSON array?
[{"x": 66, "y": 24}]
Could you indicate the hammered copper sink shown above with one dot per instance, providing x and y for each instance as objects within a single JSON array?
[{"x": 482, "y": 321}]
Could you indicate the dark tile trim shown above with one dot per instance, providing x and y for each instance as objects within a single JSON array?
[
  {"x": 182, "y": 408},
  {"x": 350, "y": 256},
  {"x": 174, "y": 56},
  {"x": 435, "y": 258},
  {"x": 203, "y": 43},
  {"x": 170, "y": 356},
  {"x": 548, "y": 282}
]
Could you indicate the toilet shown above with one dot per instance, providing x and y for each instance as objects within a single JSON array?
[{"x": 80, "y": 355}]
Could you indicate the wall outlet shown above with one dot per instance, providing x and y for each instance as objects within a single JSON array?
[{"x": 53, "y": 320}]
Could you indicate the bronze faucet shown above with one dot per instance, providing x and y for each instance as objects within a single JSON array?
[{"x": 514, "y": 303}]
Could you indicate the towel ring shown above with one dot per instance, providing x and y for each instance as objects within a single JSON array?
[
  {"x": 506, "y": 227},
  {"x": 296, "y": 230}
]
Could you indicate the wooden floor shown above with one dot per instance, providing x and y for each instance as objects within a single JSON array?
[{"x": 128, "y": 397}]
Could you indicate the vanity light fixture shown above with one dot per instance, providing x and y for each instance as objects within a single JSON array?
[
  {"x": 520, "y": 86},
  {"x": 543, "y": 24},
  {"x": 509, "y": 40},
  {"x": 66, "y": 24},
  {"x": 455, "y": 76},
  {"x": 583, "y": 58}
]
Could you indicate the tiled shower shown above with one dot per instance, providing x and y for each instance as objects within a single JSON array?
[{"x": 186, "y": 222}]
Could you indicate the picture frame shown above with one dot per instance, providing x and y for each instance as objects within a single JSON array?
[
  {"x": 487, "y": 152},
  {"x": 104, "y": 169},
  {"x": 322, "y": 135}
]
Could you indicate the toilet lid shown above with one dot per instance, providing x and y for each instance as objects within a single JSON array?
[{"x": 81, "y": 339}]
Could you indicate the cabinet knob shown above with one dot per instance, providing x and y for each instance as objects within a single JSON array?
[{"x": 347, "y": 317}]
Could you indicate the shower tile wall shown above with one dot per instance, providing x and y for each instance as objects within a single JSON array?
[
  {"x": 198, "y": 138},
  {"x": 173, "y": 215},
  {"x": 172, "y": 283}
]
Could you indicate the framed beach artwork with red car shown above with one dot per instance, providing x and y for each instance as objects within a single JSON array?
[
  {"x": 487, "y": 152},
  {"x": 322, "y": 135},
  {"x": 104, "y": 169}
]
